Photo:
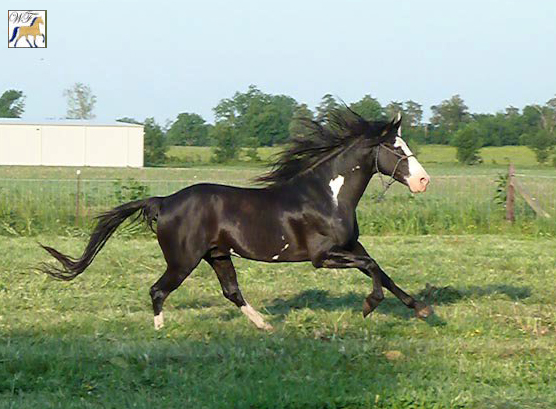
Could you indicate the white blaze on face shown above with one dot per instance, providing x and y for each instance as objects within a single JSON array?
[
  {"x": 335, "y": 185},
  {"x": 418, "y": 178}
]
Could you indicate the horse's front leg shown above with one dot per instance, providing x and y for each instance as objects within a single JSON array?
[
  {"x": 340, "y": 258},
  {"x": 422, "y": 310}
]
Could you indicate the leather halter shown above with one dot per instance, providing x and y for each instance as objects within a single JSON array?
[{"x": 386, "y": 185}]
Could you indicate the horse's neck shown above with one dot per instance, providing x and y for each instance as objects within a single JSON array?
[{"x": 348, "y": 174}]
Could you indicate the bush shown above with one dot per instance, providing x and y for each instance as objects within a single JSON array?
[
  {"x": 227, "y": 143},
  {"x": 129, "y": 190},
  {"x": 468, "y": 141},
  {"x": 541, "y": 142},
  {"x": 155, "y": 143}
]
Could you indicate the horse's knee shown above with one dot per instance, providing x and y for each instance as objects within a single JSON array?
[
  {"x": 153, "y": 292},
  {"x": 378, "y": 295}
]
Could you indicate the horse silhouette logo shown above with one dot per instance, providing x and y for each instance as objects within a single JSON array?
[{"x": 29, "y": 26}]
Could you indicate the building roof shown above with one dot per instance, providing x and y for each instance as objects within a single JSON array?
[{"x": 64, "y": 122}]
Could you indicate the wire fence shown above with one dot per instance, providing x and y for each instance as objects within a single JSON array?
[{"x": 452, "y": 204}]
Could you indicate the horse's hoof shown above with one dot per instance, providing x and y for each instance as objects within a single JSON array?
[
  {"x": 423, "y": 310},
  {"x": 267, "y": 327},
  {"x": 369, "y": 305}
]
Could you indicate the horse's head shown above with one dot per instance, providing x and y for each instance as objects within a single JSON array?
[
  {"x": 37, "y": 21},
  {"x": 392, "y": 157}
]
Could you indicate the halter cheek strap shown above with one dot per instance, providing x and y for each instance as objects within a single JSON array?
[{"x": 386, "y": 185}]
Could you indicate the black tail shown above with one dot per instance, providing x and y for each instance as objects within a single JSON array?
[
  {"x": 107, "y": 224},
  {"x": 16, "y": 30}
]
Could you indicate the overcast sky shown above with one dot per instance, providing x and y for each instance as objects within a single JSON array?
[{"x": 160, "y": 58}]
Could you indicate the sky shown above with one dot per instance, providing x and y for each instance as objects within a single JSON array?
[{"x": 161, "y": 58}]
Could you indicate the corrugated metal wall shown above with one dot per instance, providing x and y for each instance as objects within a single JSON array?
[{"x": 71, "y": 145}]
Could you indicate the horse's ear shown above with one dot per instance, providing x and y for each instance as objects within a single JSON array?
[
  {"x": 391, "y": 129},
  {"x": 398, "y": 124}
]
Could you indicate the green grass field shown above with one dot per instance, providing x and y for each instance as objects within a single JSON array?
[
  {"x": 460, "y": 199},
  {"x": 90, "y": 343},
  {"x": 521, "y": 156}
]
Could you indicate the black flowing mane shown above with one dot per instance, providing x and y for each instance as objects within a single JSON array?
[{"x": 319, "y": 143}]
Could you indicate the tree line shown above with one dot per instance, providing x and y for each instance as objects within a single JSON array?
[{"x": 254, "y": 119}]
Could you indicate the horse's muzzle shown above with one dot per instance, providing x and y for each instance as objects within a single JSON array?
[{"x": 418, "y": 183}]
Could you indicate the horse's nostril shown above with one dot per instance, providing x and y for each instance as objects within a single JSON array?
[{"x": 424, "y": 181}]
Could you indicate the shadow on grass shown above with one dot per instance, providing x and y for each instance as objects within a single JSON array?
[
  {"x": 258, "y": 372},
  {"x": 450, "y": 295},
  {"x": 323, "y": 300}
]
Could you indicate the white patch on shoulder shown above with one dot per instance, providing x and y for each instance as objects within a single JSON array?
[
  {"x": 158, "y": 321},
  {"x": 233, "y": 253},
  {"x": 336, "y": 184},
  {"x": 415, "y": 167}
]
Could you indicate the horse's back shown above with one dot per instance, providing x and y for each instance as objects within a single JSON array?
[{"x": 248, "y": 221}]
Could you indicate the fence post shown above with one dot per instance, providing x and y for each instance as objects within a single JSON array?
[
  {"x": 510, "y": 196},
  {"x": 78, "y": 194}
]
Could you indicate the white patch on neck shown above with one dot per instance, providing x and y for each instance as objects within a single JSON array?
[
  {"x": 415, "y": 167},
  {"x": 336, "y": 184}
]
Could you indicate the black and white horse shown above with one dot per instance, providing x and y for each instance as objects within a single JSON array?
[{"x": 306, "y": 212}]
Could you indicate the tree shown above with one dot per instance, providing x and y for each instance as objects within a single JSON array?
[
  {"x": 468, "y": 142},
  {"x": 258, "y": 119},
  {"x": 547, "y": 115},
  {"x": 413, "y": 114},
  {"x": 155, "y": 143},
  {"x": 327, "y": 105},
  {"x": 369, "y": 108},
  {"x": 541, "y": 142},
  {"x": 227, "y": 144},
  {"x": 448, "y": 117},
  {"x": 81, "y": 101},
  {"x": 297, "y": 125},
  {"x": 12, "y": 104},
  {"x": 129, "y": 120},
  {"x": 393, "y": 109},
  {"x": 189, "y": 129}
]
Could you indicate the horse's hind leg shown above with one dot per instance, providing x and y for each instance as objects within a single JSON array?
[
  {"x": 226, "y": 274},
  {"x": 170, "y": 280}
]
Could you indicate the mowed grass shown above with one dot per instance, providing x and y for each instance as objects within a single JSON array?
[
  {"x": 432, "y": 154},
  {"x": 439, "y": 160},
  {"x": 90, "y": 342},
  {"x": 460, "y": 199}
]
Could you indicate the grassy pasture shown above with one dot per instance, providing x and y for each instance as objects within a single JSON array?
[
  {"x": 90, "y": 343},
  {"x": 521, "y": 156},
  {"x": 35, "y": 200}
]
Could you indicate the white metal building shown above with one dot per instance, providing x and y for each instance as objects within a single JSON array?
[{"x": 70, "y": 143}]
